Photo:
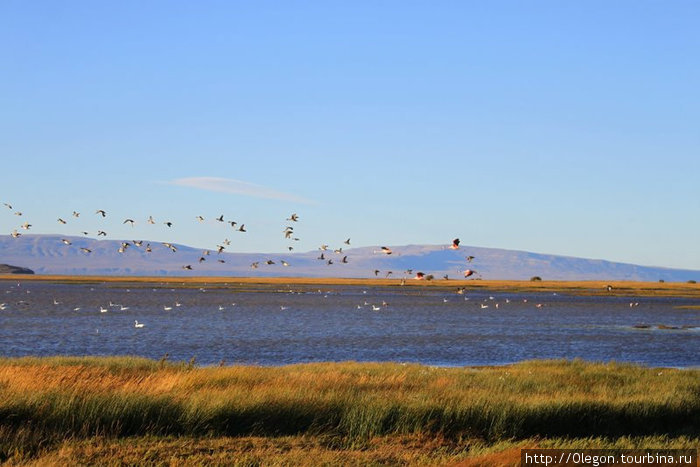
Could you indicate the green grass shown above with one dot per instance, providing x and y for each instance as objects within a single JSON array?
[{"x": 48, "y": 402}]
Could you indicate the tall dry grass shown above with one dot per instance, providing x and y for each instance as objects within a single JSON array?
[{"x": 44, "y": 401}]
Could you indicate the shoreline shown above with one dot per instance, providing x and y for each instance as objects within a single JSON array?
[{"x": 583, "y": 287}]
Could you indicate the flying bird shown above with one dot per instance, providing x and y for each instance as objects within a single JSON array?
[
  {"x": 344, "y": 260},
  {"x": 66, "y": 241},
  {"x": 130, "y": 221},
  {"x": 469, "y": 272},
  {"x": 385, "y": 250},
  {"x": 188, "y": 267},
  {"x": 200, "y": 218},
  {"x": 61, "y": 221},
  {"x": 101, "y": 212},
  {"x": 101, "y": 233},
  {"x": 26, "y": 226},
  {"x": 86, "y": 250},
  {"x": 242, "y": 228},
  {"x": 220, "y": 218},
  {"x": 347, "y": 242},
  {"x": 168, "y": 223},
  {"x": 15, "y": 234},
  {"x": 76, "y": 214},
  {"x": 293, "y": 218},
  {"x": 469, "y": 259},
  {"x": 9, "y": 206},
  {"x": 455, "y": 244},
  {"x": 150, "y": 220}
]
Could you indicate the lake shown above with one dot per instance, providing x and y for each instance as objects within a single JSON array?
[{"x": 276, "y": 325}]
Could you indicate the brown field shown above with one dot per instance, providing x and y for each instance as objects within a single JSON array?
[{"x": 624, "y": 288}]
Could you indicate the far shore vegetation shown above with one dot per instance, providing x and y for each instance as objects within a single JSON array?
[
  {"x": 592, "y": 287},
  {"x": 133, "y": 411}
]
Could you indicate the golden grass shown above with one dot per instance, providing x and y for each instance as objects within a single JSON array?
[
  {"x": 86, "y": 411},
  {"x": 594, "y": 287}
]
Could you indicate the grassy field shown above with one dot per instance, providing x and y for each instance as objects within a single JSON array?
[
  {"x": 619, "y": 288},
  {"x": 130, "y": 411}
]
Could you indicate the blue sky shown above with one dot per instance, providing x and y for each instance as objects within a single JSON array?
[{"x": 554, "y": 127}]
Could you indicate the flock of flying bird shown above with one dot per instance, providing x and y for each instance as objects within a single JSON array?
[{"x": 288, "y": 234}]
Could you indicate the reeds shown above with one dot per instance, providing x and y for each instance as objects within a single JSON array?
[{"x": 46, "y": 400}]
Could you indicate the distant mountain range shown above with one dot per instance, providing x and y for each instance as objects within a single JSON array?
[{"x": 49, "y": 254}]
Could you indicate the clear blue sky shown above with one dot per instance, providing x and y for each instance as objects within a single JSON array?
[{"x": 556, "y": 127}]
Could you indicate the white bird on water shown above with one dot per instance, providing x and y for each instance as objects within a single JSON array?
[{"x": 137, "y": 324}]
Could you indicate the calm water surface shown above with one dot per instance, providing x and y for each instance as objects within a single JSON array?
[{"x": 275, "y": 326}]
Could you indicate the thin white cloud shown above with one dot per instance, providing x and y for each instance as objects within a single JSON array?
[{"x": 238, "y": 187}]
